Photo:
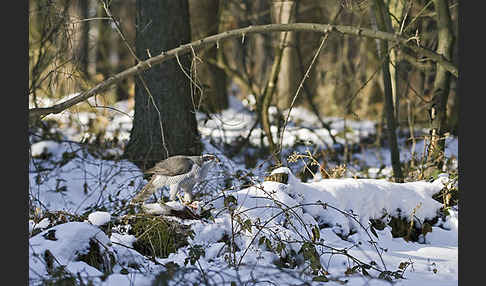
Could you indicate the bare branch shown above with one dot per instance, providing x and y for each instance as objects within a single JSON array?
[{"x": 37, "y": 113}]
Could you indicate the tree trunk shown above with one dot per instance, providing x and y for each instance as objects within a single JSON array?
[
  {"x": 125, "y": 90},
  {"x": 93, "y": 35},
  {"x": 276, "y": 75},
  {"x": 167, "y": 104},
  {"x": 305, "y": 46},
  {"x": 84, "y": 47},
  {"x": 438, "y": 109},
  {"x": 397, "y": 72},
  {"x": 260, "y": 46},
  {"x": 204, "y": 17},
  {"x": 381, "y": 15},
  {"x": 283, "y": 12}
]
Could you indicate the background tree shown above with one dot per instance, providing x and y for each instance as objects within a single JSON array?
[
  {"x": 438, "y": 108},
  {"x": 164, "y": 123},
  {"x": 383, "y": 23},
  {"x": 212, "y": 95},
  {"x": 399, "y": 10},
  {"x": 283, "y": 12}
]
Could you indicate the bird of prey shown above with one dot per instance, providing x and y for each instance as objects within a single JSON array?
[{"x": 177, "y": 172}]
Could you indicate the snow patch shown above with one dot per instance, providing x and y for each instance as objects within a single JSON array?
[{"x": 99, "y": 218}]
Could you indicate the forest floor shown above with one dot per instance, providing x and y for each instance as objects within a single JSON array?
[{"x": 331, "y": 217}]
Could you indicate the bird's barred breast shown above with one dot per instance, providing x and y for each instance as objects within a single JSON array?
[{"x": 187, "y": 178}]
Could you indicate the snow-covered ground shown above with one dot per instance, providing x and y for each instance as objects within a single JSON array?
[{"x": 265, "y": 233}]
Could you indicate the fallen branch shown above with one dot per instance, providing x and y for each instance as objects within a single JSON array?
[{"x": 37, "y": 113}]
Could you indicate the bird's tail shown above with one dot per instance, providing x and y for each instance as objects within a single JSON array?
[{"x": 144, "y": 194}]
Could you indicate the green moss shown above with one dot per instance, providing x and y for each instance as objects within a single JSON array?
[
  {"x": 158, "y": 236},
  {"x": 401, "y": 227},
  {"x": 94, "y": 257}
]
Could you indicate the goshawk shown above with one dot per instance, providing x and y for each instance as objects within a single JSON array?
[{"x": 177, "y": 172}]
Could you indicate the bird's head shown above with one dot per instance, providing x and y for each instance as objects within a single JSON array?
[{"x": 208, "y": 158}]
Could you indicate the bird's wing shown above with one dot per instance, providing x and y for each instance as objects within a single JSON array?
[{"x": 172, "y": 166}]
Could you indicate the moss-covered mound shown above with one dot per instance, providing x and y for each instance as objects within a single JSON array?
[
  {"x": 403, "y": 227},
  {"x": 158, "y": 236},
  {"x": 103, "y": 261}
]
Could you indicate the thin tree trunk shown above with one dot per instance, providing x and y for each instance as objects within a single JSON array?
[
  {"x": 260, "y": 46},
  {"x": 438, "y": 109},
  {"x": 93, "y": 36},
  {"x": 381, "y": 15},
  {"x": 164, "y": 103},
  {"x": 204, "y": 17},
  {"x": 272, "y": 83},
  {"x": 124, "y": 90},
  {"x": 84, "y": 39},
  {"x": 398, "y": 8},
  {"x": 283, "y": 12},
  {"x": 266, "y": 100}
]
